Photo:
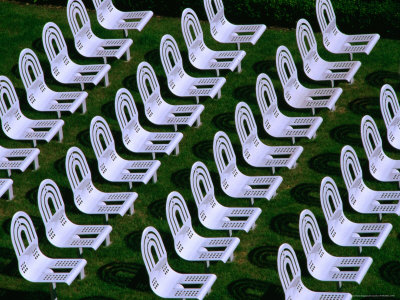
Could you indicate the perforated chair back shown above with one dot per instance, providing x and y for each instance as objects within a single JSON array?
[
  {"x": 211, "y": 12},
  {"x": 30, "y": 69},
  {"x": 285, "y": 65},
  {"x": 78, "y": 171},
  {"x": 245, "y": 123},
  {"x": 325, "y": 14},
  {"x": 51, "y": 205},
  {"x": 370, "y": 136},
  {"x": 170, "y": 56},
  {"x": 126, "y": 111},
  {"x": 101, "y": 137},
  {"x": 178, "y": 215},
  {"x": 266, "y": 95},
  {"x": 331, "y": 201},
  {"x": 54, "y": 44},
  {"x": 390, "y": 109},
  {"x": 288, "y": 267},
  {"x": 149, "y": 87},
  {"x": 224, "y": 154},
  {"x": 9, "y": 100},
  {"x": 305, "y": 39},
  {"x": 350, "y": 166},
  {"x": 201, "y": 183},
  {"x": 310, "y": 234},
  {"x": 191, "y": 29},
  {"x": 78, "y": 18}
]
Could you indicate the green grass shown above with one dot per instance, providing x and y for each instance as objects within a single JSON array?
[{"x": 117, "y": 271}]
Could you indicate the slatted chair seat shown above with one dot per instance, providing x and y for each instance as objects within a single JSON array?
[
  {"x": 277, "y": 124},
  {"x": 200, "y": 55},
  {"x": 113, "y": 19},
  {"x": 164, "y": 281},
  {"x": 381, "y": 166},
  {"x": 314, "y": 66},
  {"x": 40, "y": 96},
  {"x": 112, "y": 166},
  {"x": 297, "y": 95},
  {"x": 233, "y": 182},
  {"x": 336, "y": 41},
  {"x": 6, "y": 186},
  {"x": 17, "y": 126},
  {"x": 60, "y": 231},
  {"x": 341, "y": 230},
  {"x": 322, "y": 265},
  {"x": 390, "y": 110},
  {"x": 134, "y": 136},
  {"x": 211, "y": 213},
  {"x": 225, "y": 32},
  {"x": 18, "y": 159},
  {"x": 86, "y": 42},
  {"x": 361, "y": 197},
  {"x": 179, "y": 82},
  {"x": 64, "y": 70},
  {"x": 290, "y": 276},
  {"x": 33, "y": 265},
  {"x": 188, "y": 244},
  {"x": 255, "y": 152},
  {"x": 88, "y": 199}
]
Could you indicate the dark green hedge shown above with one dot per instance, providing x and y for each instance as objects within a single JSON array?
[{"x": 354, "y": 16}]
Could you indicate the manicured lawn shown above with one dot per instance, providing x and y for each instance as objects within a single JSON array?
[{"x": 117, "y": 271}]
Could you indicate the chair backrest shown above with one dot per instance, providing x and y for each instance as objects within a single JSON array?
[
  {"x": 77, "y": 167},
  {"x": 147, "y": 82},
  {"x": 285, "y": 65},
  {"x": 191, "y": 27},
  {"x": 389, "y": 104},
  {"x": 213, "y": 8},
  {"x": 178, "y": 214},
  {"x": 170, "y": 56},
  {"x": 305, "y": 38},
  {"x": 100, "y": 136},
  {"x": 30, "y": 69},
  {"x": 310, "y": 234},
  {"x": 288, "y": 266},
  {"x": 78, "y": 17},
  {"x": 23, "y": 237},
  {"x": 201, "y": 183},
  {"x": 53, "y": 41},
  {"x": 331, "y": 201},
  {"x": 350, "y": 166},
  {"x": 153, "y": 250},
  {"x": 50, "y": 202},
  {"x": 244, "y": 121},
  {"x": 266, "y": 95},
  {"x": 8, "y": 96},
  {"x": 126, "y": 110},
  {"x": 224, "y": 155},
  {"x": 325, "y": 14},
  {"x": 370, "y": 136}
]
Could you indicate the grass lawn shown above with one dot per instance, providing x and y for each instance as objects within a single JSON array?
[{"x": 117, "y": 271}]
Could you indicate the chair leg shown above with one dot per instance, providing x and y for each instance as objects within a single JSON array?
[
  {"x": 106, "y": 217},
  {"x": 83, "y": 107},
  {"x": 108, "y": 242},
  {"x": 155, "y": 177},
  {"x": 82, "y": 275},
  {"x": 380, "y": 217},
  {"x": 219, "y": 94},
  {"x": 359, "y": 250},
  {"x": 273, "y": 170},
  {"x": 230, "y": 232},
  {"x": 9, "y": 172},
  {"x": 34, "y": 143},
  {"x": 217, "y": 72},
  {"x": 53, "y": 294},
  {"x": 197, "y": 99},
  {"x": 175, "y": 127},
  {"x": 339, "y": 285},
  {"x": 80, "y": 252},
  {"x": 10, "y": 193},
  {"x": 240, "y": 67},
  {"x": 82, "y": 86},
  {"x": 207, "y": 264},
  {"x": 60, "y": 135},
  {"x": 231, "y": 257},
  {"x": 198, "y": 123},
  {"x": 252, "y": 201},
  {"x": 238, "y": 46},
  {"x": 105, "y": 59},
  {"x": 313, "y": 111},
  {"x": 131, "y": 210},
  {"x": 106, "y": 82},
  {"x": 36, "y": 163},
  {"x": 126, "y": 33},
  {"x": 332, "y": 83},
  {"x": 293, "y": 139},
  {"x": 128, "y": 54},
  {"x": 153, "y": 155},
  {"x": 351, "y": 56},
  {"x": 177, "y": 149},
  {"x": 130, "y": 185},
  {"x": 58, "y": 114}
]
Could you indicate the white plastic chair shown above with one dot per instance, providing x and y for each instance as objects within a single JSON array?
[
  {"x": 381, "y": 166},
  {"x": 113, "y": 19},
  {"x": 188, "y": 244},
  {"x": 314, "y": 66},
  {"x": 6, "y": 186},
  {"x": 255, "y": 152},
  {"x": 297, "y": 95},
  {"x": 40, "y": 96},
  {"x": 322, "y": 265},
  {"x": 33, "y": 265},
  {"x": 164, "y": 281},
  {"x": 18, "y": 127},
  {"x": 88, "y": 199},
  {"x": 290, "y": 276},
  {"x": 86, "y": 42},
  {"x": 156, "y": 109},
  {"x": 18, "y": 159},
  {"x": 336, "y": 41},
  {"x": 60, "y": 231},
  {"x": 341, "y": 230},
  {"x": 112, "y": 166},
  {"x": 179, "y": 82},
  {"x": 362, "y": 199},
  {"x": 233, "y": 182},
  {"x": 200, "y": 55},
  {"x": 134, "y": 136},
  {"x": 212, "y": 214},
  {"x": 63, "y": 68},
  {"x": 390, "y": 109},
  {"x": 225, "y": 32},
  {"x": 277, "y": 124}
]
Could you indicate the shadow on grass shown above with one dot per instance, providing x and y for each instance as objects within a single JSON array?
[
  {"x": 265, "y": 66},
  {"x": 307, "y": 194},
  {"x": 108, "y": 110},
  {"x": 264, "y": 256},
  {"x": 8, "y": 263},
  {"x": 326, "y": 163},
  {"x": 133, "y": 240},
  {"x": 59, "y": 165},
  {"x": 181, "y": 178},
  {"x": 347, "y": 134},
  {"x": 83, "y": 138},
  {"x": 252, "y": 289},
  {"x": 204, "y": 150},
  {"x": 130, "y": 83},
  {"x": 366, "y": 106},
  {"x": 153, "y": 58},
  {"x": 225, "y": 122},
  {"x": 157, "y": 209},
  {"x": 126, "y": 275},
  {"x": 286, "y": 224},
  {"x": 244, "y": 93},
  {"x": 379, "y": 78},
  {"x": 390, "y": 272}
]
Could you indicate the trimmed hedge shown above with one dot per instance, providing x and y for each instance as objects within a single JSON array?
[{"x": 354, "y": 16}]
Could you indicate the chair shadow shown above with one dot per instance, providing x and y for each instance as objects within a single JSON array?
[
  {"x": 125, "y": 275},
  {"x": 108, "y": 110},
  {"x": 326, "y": 163},
  {"x": 390, "y": 272},
  {"x": 253, "y": 289},
  {"x": 83, "y": 138},
  {"x": 266, "y": 66},
  {"x": 379, "y": 78},
  {"x": 31, "y": 195},
  {"x": 347, "y": 134},
  {"x": 153, "y": 58},
  {"x": 37, "y": 45},
  {"x": 180, "y": 178},
  {"x": 264, "y": 256},
  {"x": 286, "y": 224},
  {"x": 225, "y": 122},
  {"x": 133, "y": 240},
  {"x": 8, "y": 263},
  {"x": 307, "y": 194},
  {"x": 157, "y": 208},
  {"x": 130, "y": 83},
  {"x": 59, "y": 165},
  {"x": 204, "y": 150},
  {"x": 245, "y": 92},
  {"x": 366, "y": 106}
]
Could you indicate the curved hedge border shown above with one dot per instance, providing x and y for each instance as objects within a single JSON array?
[{"x": 354, "y": 16}]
